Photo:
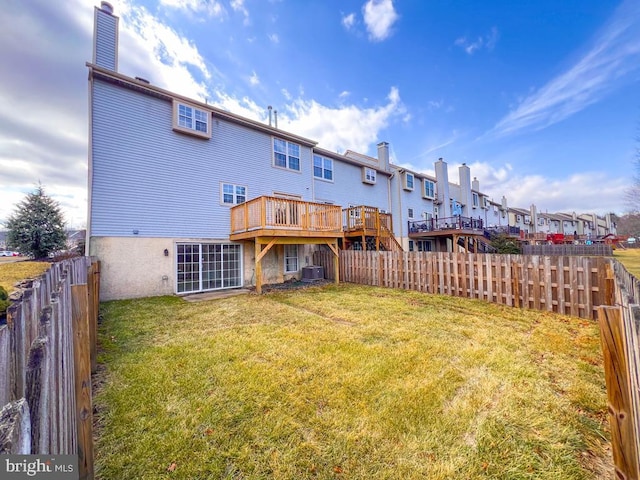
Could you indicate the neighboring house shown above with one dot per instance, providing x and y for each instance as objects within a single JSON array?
[{"x": 186, "y": 197}]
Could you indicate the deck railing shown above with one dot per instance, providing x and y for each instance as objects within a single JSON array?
[
  {"x": 457, "y": 222},
  {"x": 273, "y": 213},
  {"x": 365, "y": 218}
]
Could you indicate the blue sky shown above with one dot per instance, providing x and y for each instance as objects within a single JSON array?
[{"x": 541, "y": 98}]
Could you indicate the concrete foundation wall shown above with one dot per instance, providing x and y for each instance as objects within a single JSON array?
[
  {"x": 134, "y": 267},
  {"x": 137, "y": 267}
]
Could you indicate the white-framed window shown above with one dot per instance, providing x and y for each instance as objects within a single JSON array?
[
  {"x": 368, "y": 175},
  {"x": 286, "y": 154},
  {"x": 208, "y": 266},
  {"x": 191, "y": 119},
  {"x": 475, "y": 200},
  {"x": 518, "y": 218},
  {"x": 353, "y": 211},
  {"x": 290, "y": 258},
  {"x": 231, "y": 194},
  {"x": 408, "y": 181},
  {"x": 410, "y": 212},
  {"x": 411, "y": 245},
  {"x": 428, "y": 189},
  {"x": 541, "y": 221},
  {"x": 423, "y": 245},
  {"x": 322, "y": 167}
]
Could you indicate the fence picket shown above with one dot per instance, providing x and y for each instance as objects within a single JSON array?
[{"x": 37, "y": 354}]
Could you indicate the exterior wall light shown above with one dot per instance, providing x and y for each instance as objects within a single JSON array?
[{"x": 166, "y": 252}]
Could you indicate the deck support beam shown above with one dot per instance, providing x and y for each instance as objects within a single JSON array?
[{"x": 269, "y": 242}]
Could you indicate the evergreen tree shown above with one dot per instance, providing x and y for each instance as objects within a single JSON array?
[
  {"x": 505, "y": 244},
  {"x": 36, "y": 228}
]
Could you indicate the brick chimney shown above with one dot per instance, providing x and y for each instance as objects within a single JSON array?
[{"x": 105, "y": 41}]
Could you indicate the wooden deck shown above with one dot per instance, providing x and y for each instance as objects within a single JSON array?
[
  {"x": 361, "y": 222},
  {"x": 270, "y": 221},
  {"x": 282, "y": 217},
  {"x": 463, "y": 231}
]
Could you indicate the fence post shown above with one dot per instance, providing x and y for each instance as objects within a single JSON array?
[
  {"x": 621, "y": 415},
  {"x": 82, "y": 363},
  {"x": 609, "y": 285}
]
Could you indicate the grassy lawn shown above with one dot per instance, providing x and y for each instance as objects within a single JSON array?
[
  {"x": 12, "y": 272},
  {"x": 630, "y": 258},
  {"x": 348, "y": 382}
]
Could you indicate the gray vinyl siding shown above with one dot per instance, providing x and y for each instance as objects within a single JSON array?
[
  {"x": 162, "y": 183},
  {"x": 105, "y": 54},
  {"x": 347, "y": 188}
]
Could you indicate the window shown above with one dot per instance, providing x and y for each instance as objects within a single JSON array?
[
  {"x": 208, "y": 266},
  {"x": 518, "y": 218},
  {"x": 428, "y": 189},
  {"x": 423, "y": 245},
  {"x": 322, "y": 167},
  {"x": 408, "y": 181},
  {"x": 191, "y": 119},
  {"x": 286, "y": 154},
  {"x": 368, "y": 175},
  {"x": 475, "y": 200},
  {"x": 233, "y": 194},
  {"x": 290, "y": 258},
  {"x": 411, "y": 245},
  {"x": 410, "y": 213}
]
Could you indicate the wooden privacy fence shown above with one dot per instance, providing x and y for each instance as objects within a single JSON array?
[
  {"x": 570, "y": 285},
  {"x": 587, "y": 287},
  {"x": 47, "y": 355},
  {"x": 620, "y": 336},
  {"x": 599, "y": 249}
]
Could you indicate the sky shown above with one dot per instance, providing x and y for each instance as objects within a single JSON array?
[{"x": 541, "y": 99}]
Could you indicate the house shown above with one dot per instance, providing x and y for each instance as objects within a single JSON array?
[{"x": 186, "y": 197}]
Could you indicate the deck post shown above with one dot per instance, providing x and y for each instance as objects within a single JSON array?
[
  {"x": 258, "y": 249},
  {"x": 336, "y": 263}
]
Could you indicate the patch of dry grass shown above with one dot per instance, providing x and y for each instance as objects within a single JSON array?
[
  {"x": 14, "y": 272},
  {"x": 630, "y": 258},
  {"x": 348, "y": 382}
]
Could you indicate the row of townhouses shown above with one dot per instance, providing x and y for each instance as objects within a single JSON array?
[{"x": 186, "y": 197}]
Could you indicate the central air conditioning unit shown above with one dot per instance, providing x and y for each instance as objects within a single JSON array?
[{"x": 312, "y": 273}]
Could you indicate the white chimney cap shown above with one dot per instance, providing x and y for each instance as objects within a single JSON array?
[{"x": 106, "y": 7}]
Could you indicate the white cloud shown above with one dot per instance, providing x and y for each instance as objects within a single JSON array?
[
  {"x": 379, "y": 17},
  {"x": 253, "y": 79},
  {"x": 341, "y": 128},
  {"x": 344, "y": 94},
  {"x": 615, "y": 53},
  {"x": 488, "y": 41},
  {"x": 274, "y": 38},
  {"x": 573, "y": 193},
  {"x": 211, "y": 8},
  {"x": 157, "y": 52},
  {"x": 348, "y": 20},
  {"x": 238, "y": 6},
  {"x": 286, "y": 94}
]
